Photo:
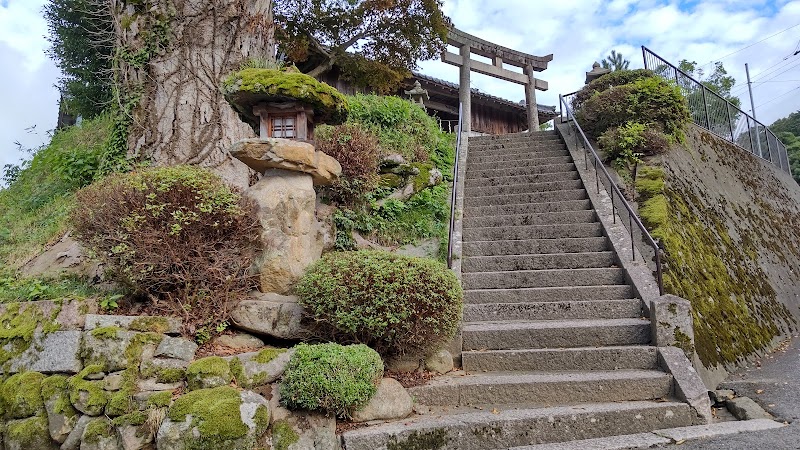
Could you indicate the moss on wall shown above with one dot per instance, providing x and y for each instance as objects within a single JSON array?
[{"x": 714, "y": 251}]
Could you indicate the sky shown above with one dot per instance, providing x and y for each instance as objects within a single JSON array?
[{"x": 764, "y": 34}]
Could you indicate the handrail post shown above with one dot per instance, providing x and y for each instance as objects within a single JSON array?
[
  {"x": 705, "y": 106},
  {"x": 730, "y": 120}
]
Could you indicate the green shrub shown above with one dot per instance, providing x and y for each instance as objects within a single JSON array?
[
  {"x": 404, "y": 128},
  {"x": 357, "y": 151},
  {"x": 395, "y": 304},
  {"x": 649, "y": 100},
  {"x": 606, "y": 82},
  {"x": 331, "y": 378},
  {"x": 632, "y": 139},
  {"x": 178, "y": 235}
]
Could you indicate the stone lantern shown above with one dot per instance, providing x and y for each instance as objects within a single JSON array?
[
  {"x": 596, "y": 72},
  {"x": 285, "y": 106},
  {"x": 418, "y": 95}
]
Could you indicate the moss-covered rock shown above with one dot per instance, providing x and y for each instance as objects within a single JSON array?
[
  {"x": 208, "y": 372},
  {"x": 61, "y": 415},
  {"x": 246, "y": 88},
  {"x": 283, "y": 435},
  {"x": 22, "y": 395},
  {"x": 87, "y": 396},
  {"x": 222, "y": 417},
  {"x": 30, "y": 433}
]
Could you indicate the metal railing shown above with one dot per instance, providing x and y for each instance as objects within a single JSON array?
[
  {"x": 455, "y": 189},
  {"x": 619, "y": 205},
  {"x": 716, "y": 114}
]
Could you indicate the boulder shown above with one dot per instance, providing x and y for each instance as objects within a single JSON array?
[
  {"x": 275, "y": 315},
  {"x": 439, "y": 362},
  {"x": 405, "y": 363},
  {"x": 205, "y": 373},
  {"x": 106, "y": 346},
  {"x": 177, "y": 348},
  {"x": 28, "y": 434},
  {"x": 155, "y": 324},
  {"x": 61, "y": 416},
  {"x": 56, "y": 352},
  {"x": 99, "y": 434},
  {"x": 390, "y": 402},
  {"x": 262, "y": 155},
  {"x": 238, "y": 341},
  {"x": 291, "y": 238},
  {"x": 65, "y": 256},
  {"x": 134, "y": 437},
  {"x": 261, "y": 368},
  {"x": 300, "y": 430},
  {"x": 744, "y": 408},
  {"x": 221, "y": 418}
]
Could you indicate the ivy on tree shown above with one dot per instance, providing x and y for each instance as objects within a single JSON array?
[{"x": 362, "y": 37}]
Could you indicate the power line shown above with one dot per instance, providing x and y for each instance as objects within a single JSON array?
[
  {"x": 743, "y": 88},
  {"x": 775, "y": 98},
  {"x": 754, "y": 43}
]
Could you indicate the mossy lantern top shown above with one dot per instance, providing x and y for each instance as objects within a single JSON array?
[{"x": 285, "y": 103}]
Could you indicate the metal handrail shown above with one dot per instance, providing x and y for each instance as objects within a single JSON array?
[
  {"x": 455, "y": 188},
  {"x": 632, "y": 217},
  {"x": 731, "y": 129}
]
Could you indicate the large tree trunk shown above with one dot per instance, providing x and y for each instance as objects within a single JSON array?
[{"x": 175, "y": 54}]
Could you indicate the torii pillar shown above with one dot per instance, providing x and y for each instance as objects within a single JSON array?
[{"x": 530, "y": 64}]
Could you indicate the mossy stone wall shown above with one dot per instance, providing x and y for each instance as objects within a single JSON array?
[{"x": 729, "y": 224}]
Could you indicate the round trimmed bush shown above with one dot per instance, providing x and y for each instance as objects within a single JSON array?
[
  {"x": 606, "y": 82},
  {"x": 648, "y": 100},
  {"x": 330, "y": 377},
  {"x": 177, "y": 235},
  {"x": 395, "y": 304}
]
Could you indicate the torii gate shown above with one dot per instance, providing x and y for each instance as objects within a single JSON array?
[{"x": 498, "y": 54}]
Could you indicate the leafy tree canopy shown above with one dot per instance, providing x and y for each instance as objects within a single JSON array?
[
  {"x": 718, "y": 80},
  {"x": 364, "y": 35},
  {"x": 81, "y": 35},
  {"x": 789, "y": 124},
  {"x": 615, "y": 61}
]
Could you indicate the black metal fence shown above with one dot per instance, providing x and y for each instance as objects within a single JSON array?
[{"x": 716, "y": 114}]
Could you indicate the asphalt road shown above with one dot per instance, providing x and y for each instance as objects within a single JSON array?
[{"x": 774, "y": 383}]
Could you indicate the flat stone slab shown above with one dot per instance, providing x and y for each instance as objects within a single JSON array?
[
  {"x": 56, "y": 352},
  {"x": 744, "y": 408},
  {"x": 718, "y": 429},
  {"x": 172, "y": 325},
  {"x": 275, "y": 153},
  {"x": 624, "y": 442}
]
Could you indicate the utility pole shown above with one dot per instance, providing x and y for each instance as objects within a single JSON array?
[{"x": 752, "y": 106}]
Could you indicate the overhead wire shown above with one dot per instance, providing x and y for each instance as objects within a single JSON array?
[
  {"x": 754, "y": 43},
  {"x": 776, "y": 98}
]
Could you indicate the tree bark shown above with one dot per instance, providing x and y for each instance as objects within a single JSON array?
[{"x": 174, "y": 56}]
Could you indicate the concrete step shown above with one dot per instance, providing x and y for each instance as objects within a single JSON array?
[
  {"x": 513, "y": 171},
  {"x": 528, "y": 219},
  {"x": 505, "y": 428},
  {"x": 534, "y": 197},
  {"x": 533, "y": 208},
  {"x": 504, "y": 156},
  {"x": 593, "y": 309},
  {"x": 521, "y": 162},
  {"x": 515, "y": 146},
  {"x": 521, "y": 179},
  {"x": 535, "y": 246},
  {"x": 543, "y": 278},
  {"x": 552, "y": 294},
  {"x": 551, "y": 134},
  {"x": 555, "y": 334},
  {"x": 563, "y": 359},
  {"x": 494, "y": 191},
  {"x": 539, "y": 388},
  {"x": 537, "y": 262},
  {"x": 573, "y": 230}
]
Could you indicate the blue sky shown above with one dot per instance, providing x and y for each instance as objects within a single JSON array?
[{"x": 577, "y": 32}]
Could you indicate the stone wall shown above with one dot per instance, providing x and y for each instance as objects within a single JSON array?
[
  {"x": 77, "y": 380},
  {"x": 731, "y": 235}
]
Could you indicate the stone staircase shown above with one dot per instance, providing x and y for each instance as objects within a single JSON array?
[{"x": 555, "y": 345}]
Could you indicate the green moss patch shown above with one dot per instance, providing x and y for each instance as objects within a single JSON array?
[
  {"x": 89, "y": 394},
  {"x": 246, "y": 88},
  {"x": 283, "y": 435},
  {"x": 109, "y": 332},
  {"x": 150, "y": 324},
  {"x": 18, "y": 325},
  {"x": 210, "y": 369},
  {"x": 268, "y": 354},
  {"x": 22, "y": 395},
  {"x": 31, "y": 433},
  {"x": 735, "y": 309},
  {"x": 97, "y": 429},
  {"x": 215, "y": 413}
]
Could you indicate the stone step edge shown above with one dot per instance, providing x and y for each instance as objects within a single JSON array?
[{"x": 668, "y": 436}]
